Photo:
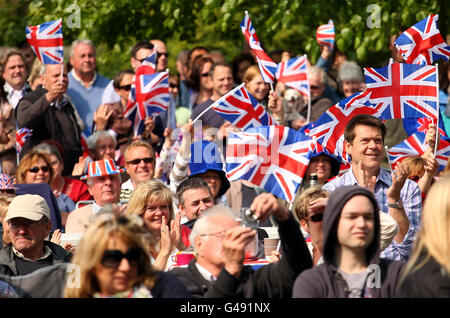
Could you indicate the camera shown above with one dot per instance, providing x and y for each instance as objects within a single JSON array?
[{"x": 248, "y": 219}]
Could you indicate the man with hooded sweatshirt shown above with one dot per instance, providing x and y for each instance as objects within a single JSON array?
[{"x": 352, "y": 267}]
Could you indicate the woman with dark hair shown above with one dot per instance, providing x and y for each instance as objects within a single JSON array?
[
  {"x": 122, "y": 85},
  {"x": 200, "y": 83},
  {"x": 8, "y": 157},
  {"x": 240, "y": 64},
  {"x": 68, "y": 191}
]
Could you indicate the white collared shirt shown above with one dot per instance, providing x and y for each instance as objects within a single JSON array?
[
  {"x": 95, "y": 208},
  {"x": 81, "y": 82},
  {"x": 205, "y": 273},
  {"x": 47, "y": 252},
  {"x": 13, "y": 95}
]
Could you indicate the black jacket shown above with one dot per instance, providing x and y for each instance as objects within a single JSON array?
[
  {"x": 325, "y": 280},
  {"x": 430, "y": 280},
  {"x": 8, "y": 265},
  {"x": 274, "y": 280},
  {"x": 49, "y": 122}
]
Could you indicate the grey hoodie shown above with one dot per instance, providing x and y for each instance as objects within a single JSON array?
[{"x": 325, "y": 280}]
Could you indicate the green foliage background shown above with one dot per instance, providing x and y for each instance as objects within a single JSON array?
[{"x": 290, "y": 25}]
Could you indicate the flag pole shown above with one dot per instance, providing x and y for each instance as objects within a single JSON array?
[
  {"x": 170, "y": 104},
  {"x": 389, "y": 160},
  {"x": 436, "y": 142},
  {"x": 216, "y": 102},
  {"x": 308, "y": 116}
]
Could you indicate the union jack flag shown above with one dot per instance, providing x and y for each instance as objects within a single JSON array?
[
  {"x": 328, "y": 130},
  {"x": 325, "y": 34},
  {"x": 6, "y": 182},
  {"x": 293, "y": 74},
  {"x": 240, "y": 108},
  {"x": 22, "y": 135},
  {"x": 149, "y": 95},
  {"x": 272, "y": 157},
  {"x": 267, "y": 67},
  {"x": 422, "y": 43},
  {"x": 46, "y": 40},
  {"x": 148, "y": 66},
  {"x": 247, "y": 28},
  {"x": 407, "y": 90},
  {"x": 411, "y": 126},
  {"x": 415, "y": 145}
]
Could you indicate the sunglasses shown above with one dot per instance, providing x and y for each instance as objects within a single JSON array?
[
  {"x": 173, "y": 85},
  {"x": 316, "y": 217},
  {"x": 36, "y": 169},
  {"x": 314, "y": 87},
  {"x": 138, "y": 161},
  {"x": 205, "y": 74},
  {"x": 113, "y": 258},
  {"x": 165, "y": 54},
  {"x": 125, "y": 87}
]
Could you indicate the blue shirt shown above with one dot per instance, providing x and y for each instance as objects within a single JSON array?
[
  {"x": 412, "y": 203},
  {"x": 87, "y": 100}
]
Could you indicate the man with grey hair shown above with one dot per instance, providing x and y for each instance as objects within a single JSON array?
[
  {"x": 220, "y": 243},
  {"x": 29, "y": 222},
  {"x": 350, "y": 79},
  {"x": 319, "y": 103},
  {"x": 51, "y": 115},
  {"x": 101, "y": 145},
  {"x": 85, "y": 84},
  {"x": 103, "y": 181}
]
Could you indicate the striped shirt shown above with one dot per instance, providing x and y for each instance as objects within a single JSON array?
[{"x": 412, "y": 203}]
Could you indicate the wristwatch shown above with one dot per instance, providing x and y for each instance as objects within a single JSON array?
[{"x": 396, "y": 205}]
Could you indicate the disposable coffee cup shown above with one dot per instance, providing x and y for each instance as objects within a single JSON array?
[{"x": 270, "y": 244}]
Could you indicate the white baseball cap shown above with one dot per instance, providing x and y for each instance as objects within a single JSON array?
[{"x": 28, "y": 206}]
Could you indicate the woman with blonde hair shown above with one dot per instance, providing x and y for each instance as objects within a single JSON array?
[
  {"x": 152, "y": 201},
  {"x": 427, "y": 273},
  {"x": 113, "y": 262},
  {"x": 34, "y": 167},
  {"x": 422, "y": 170},
  {"x": 255, "y": 84}
]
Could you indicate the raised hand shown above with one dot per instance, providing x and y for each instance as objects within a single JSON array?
[{"x": 234, "y": 243}]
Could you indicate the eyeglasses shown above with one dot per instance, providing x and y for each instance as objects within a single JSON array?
[
  {"x": 205, "y": 74},
  {"x": 316, "y": 217},
  {"x": 138, "y": 161},
  {"x": 36, "y": 169},
  {"x": 125, "y": 87},
  {"x": 166, "y": 54},
  {"x": 113, "y": 258},
  {"x": 220, "y": 234}
]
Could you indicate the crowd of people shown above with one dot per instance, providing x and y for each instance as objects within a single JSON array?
[{"x": 85, "y": 192}]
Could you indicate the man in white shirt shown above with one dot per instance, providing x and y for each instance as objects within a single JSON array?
[{"x": 14, "y": 71}]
